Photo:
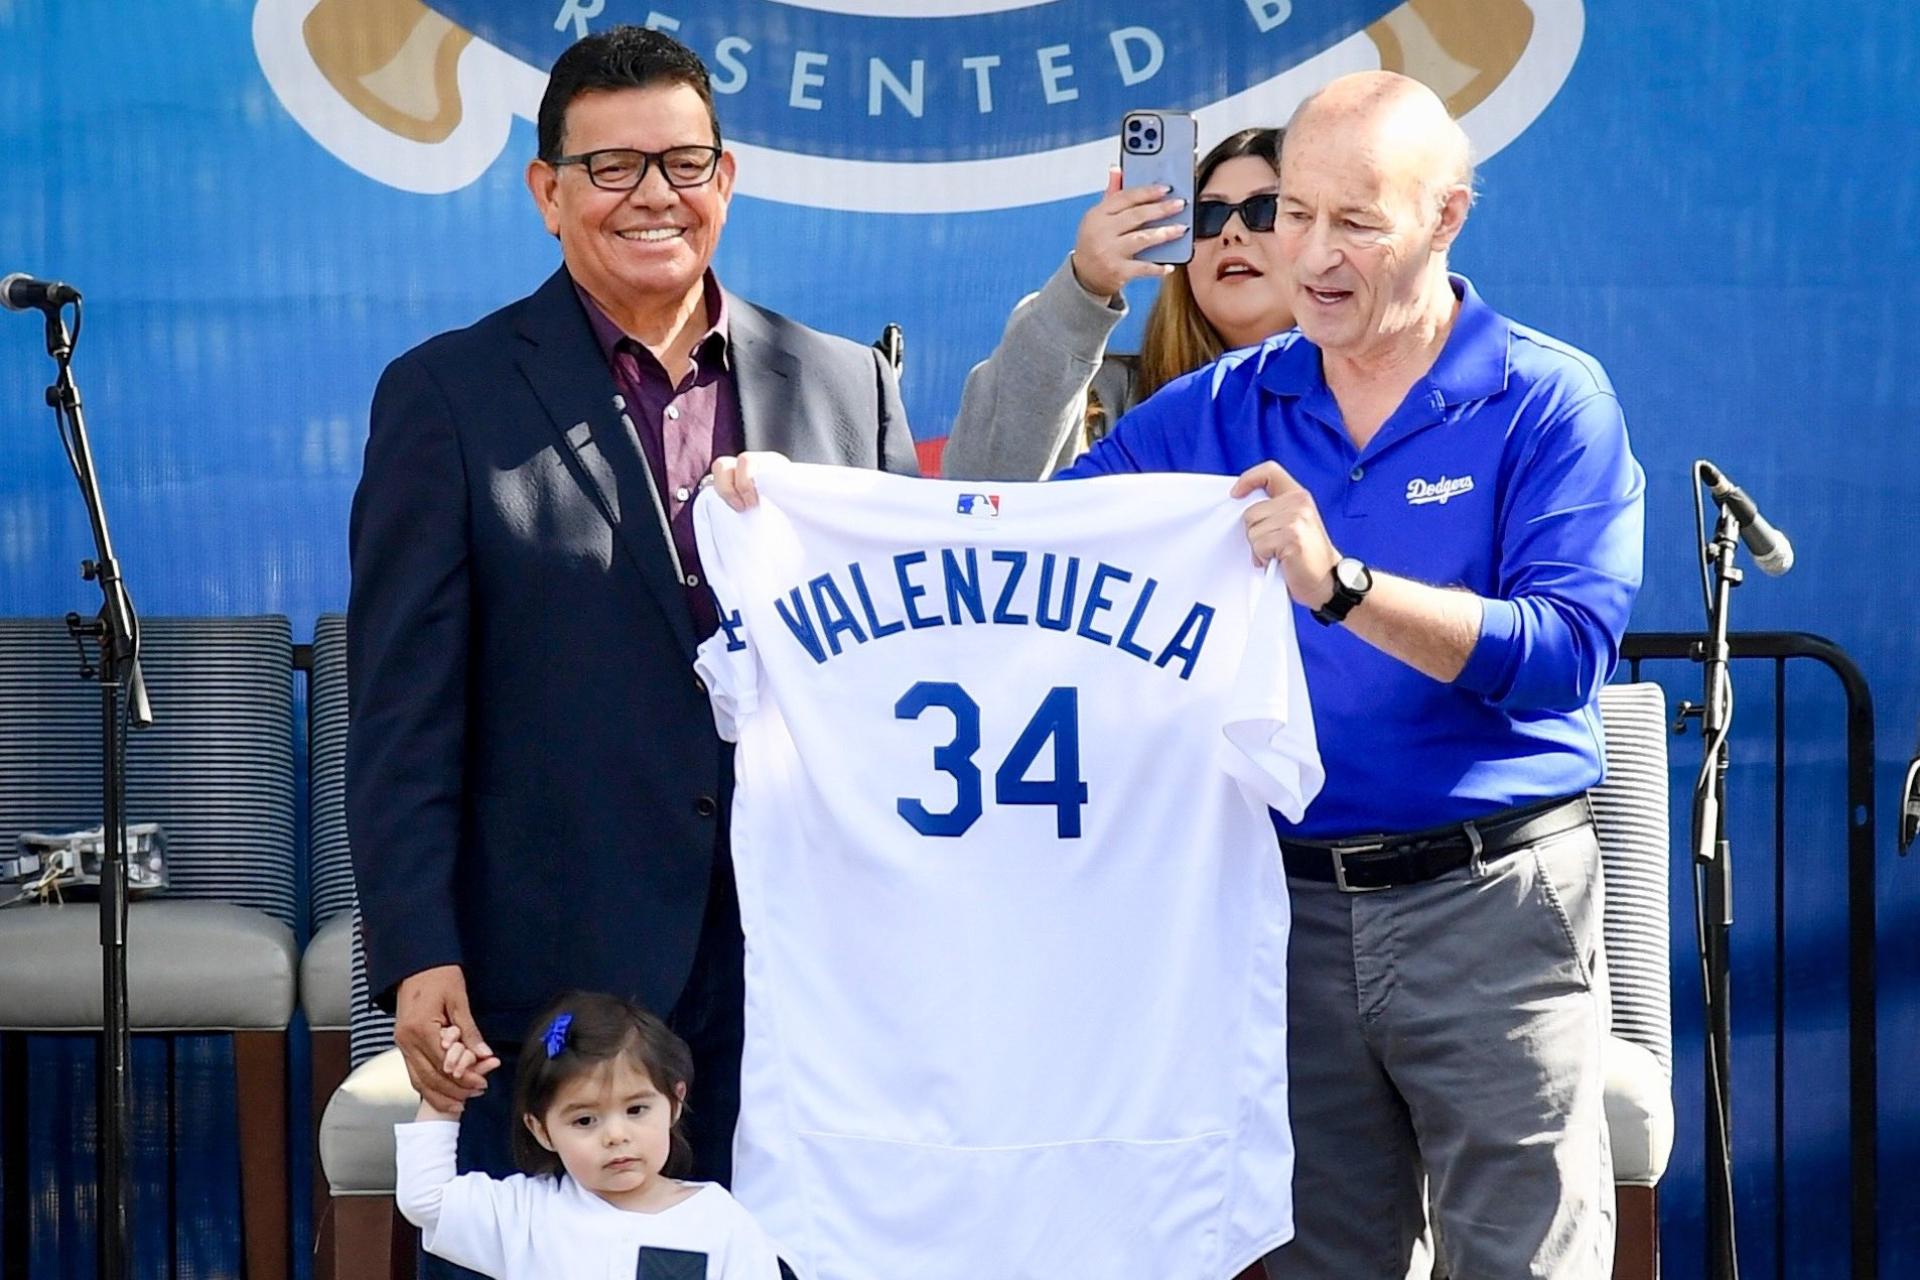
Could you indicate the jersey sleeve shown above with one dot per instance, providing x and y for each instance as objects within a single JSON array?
[
  {"x": 462, "y": 1217},
  {"x": 1268, "y": 742},
  {"x": 726, "y": 661}
]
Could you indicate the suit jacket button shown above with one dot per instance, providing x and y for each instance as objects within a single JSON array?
[{"x": 705, "y": 806}]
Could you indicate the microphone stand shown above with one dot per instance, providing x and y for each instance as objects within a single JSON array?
[
  {"x": 1713, "y": 883},
  {"x": 115, "y": 634}
]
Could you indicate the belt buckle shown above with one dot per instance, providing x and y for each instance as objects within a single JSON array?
[{"x": 1340, "y": 866}]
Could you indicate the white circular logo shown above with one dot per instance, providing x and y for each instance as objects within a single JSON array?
[{"x": 909, "y": 107}]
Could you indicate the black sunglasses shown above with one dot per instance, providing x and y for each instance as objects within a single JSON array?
[{"x": 1256, "y": 212}]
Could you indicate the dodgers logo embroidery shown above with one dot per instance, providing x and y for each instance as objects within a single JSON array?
[
  {"x": 1442, "y": 491},
  {"x": 904, "y": 106}
]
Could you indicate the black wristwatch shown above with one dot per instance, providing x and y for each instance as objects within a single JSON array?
[{"x": 1351, "y": 582}]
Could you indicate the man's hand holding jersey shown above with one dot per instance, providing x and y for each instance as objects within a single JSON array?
[
  {"x": 732, "y": 479},
  {"x": 1286, "y": 526},
  {"x": 1432, "y": 629}
]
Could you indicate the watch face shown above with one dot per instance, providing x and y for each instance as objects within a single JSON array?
[{"x": 1352, "y": 576}]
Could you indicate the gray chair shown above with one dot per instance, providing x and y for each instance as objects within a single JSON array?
[
  {"x": 360, "y": 1087},
  {"x": 333, "y": 990},
  {"x": 324, "y": 981},
  {"x": 216, "y": 952},
  {"x": 325, "y": 985},
  {"x": 1631, "y": 815},
  {"x": 366, "y": 1238}
]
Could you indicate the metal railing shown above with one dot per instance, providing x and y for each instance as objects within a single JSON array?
[{"x": 1780, "y": 648}]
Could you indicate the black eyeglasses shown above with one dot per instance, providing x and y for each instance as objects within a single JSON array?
[
  {"x": 621, "y": 169},
  {"x": 1256, "y": 212}
]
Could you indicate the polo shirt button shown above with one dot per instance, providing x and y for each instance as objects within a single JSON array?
[
  {"x": 682, "y": 493},
  {"x": 673, "y": 411},
  {"x": 705, "y": 806},
  {"x": 693, "y": 579},
  {"x": 1357, "y": 473}
]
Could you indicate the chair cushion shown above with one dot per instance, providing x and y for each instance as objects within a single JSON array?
[
  {"x": 325, "y": 975},
  {"x": 191, "y": 966},
  {"x": 356, "y": 1134},
  {"x": 1639, "y": 1102}
]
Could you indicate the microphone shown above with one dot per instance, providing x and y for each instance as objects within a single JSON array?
[
  {"x": 21, "y": 292},
  {"x": 1770, "y": 548}
]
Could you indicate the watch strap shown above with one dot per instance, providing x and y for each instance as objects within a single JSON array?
[{"x": 1340, "y": 603}]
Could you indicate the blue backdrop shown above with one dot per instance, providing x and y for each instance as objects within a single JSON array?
[{"x": 1717, "y": 199}]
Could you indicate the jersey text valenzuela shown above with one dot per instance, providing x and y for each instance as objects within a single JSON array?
[{"x": 972, "y": 586}]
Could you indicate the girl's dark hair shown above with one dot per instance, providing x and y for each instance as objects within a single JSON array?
[
  {"x": 623, "y": 57},
  {"x": 603, "y": 1028}
]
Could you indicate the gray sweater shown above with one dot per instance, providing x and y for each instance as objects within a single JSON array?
[{"x": 1023, "y": 412}]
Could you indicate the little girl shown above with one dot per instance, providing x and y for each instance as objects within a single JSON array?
[{"x": 601, "y": 1088}]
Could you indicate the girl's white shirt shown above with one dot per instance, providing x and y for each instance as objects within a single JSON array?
[{"x": 530, "y": 1228}]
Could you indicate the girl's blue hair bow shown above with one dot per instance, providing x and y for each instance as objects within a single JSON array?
[{"x": 556, "y": 1037}]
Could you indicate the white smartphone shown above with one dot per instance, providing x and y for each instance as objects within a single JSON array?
[{"x": 1159, "y": 146}]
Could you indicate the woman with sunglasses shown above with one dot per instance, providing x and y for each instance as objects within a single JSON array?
[{"x": 1049, "y": 389}]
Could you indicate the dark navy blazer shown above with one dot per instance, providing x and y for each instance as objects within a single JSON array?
[{"x": 535, "y": 790}]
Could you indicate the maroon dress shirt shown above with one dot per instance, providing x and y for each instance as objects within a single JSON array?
[{"x": 681, "y": 429}]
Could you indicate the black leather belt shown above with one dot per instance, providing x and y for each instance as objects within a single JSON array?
[{"x": 1366, "y": 863}]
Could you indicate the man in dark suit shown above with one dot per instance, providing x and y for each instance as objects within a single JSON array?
[{"x": 536, "y": 795}]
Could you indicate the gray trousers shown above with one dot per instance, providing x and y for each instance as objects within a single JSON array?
[{"x": 1451, "y": 1031}]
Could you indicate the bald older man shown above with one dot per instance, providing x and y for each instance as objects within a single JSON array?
[{"x": 1452, "y": 497}]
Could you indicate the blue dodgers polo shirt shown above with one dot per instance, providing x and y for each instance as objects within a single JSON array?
[{"x": 1505, "y": 471}]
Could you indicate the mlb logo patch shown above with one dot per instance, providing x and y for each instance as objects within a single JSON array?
[{"x": 978, "y": 504}]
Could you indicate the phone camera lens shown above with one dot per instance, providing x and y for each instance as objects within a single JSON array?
[
  {"x": 1133, "y": 126},
  {"x": 1153, "y": 135}
]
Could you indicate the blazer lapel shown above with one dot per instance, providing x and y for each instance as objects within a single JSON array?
[
  {"x": 763, "y": 371},
  {"x": 563, "y": 364}
]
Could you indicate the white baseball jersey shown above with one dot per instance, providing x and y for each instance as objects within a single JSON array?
[{"x": 1016, "y": 923}]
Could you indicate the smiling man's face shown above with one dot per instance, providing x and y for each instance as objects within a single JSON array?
[{"x": 646, "y": 248}]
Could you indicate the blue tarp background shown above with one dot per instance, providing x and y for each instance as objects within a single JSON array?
[{"x": 1720, "y": 204}]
